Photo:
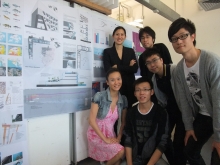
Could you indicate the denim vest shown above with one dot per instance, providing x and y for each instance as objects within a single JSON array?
[{"x": 104, "y": 100}]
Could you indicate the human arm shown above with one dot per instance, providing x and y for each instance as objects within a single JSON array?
[
  {"x": 155, "y": 157},
  {"x": 142, "y": 66},
  {"x": 216, "y": 145},
  {"x": 123, "y": 118},
  {"x": 132, "y": 62},
  {"x": 187, "y": 116},
  {"x": 128, "y": 154},
  {"x": 212, "y": 74},
  {"x": 130, "y": 65},
  {"x": 188, "y": 134},
  {"x": 128, "y": 132},
  {"x": 106, "y": 60},
  {"x": 162, "y": 135},
  {"x": 183, "y": 97}
]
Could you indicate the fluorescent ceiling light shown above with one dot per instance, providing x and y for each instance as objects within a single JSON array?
[
  {"x": 156, "y": 11},
  {"x": 138, "y": 20},
  {"x": 136, "y": 24}
]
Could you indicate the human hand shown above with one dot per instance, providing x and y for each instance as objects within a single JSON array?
[
  {"x": 114, "y": 66},
  {"x": 216, "y": 145},
  {"x": 110, "y": 140},
  {"x": 132, "y": 62},
  {"x": 188, "y": 134},
  {"x": 118, "y": 139}
]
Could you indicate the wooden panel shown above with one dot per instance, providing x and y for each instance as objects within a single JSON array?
[{"x": 93, "y": 6}]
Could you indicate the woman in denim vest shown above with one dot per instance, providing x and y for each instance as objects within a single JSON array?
[{"x": 107, "y": 106}]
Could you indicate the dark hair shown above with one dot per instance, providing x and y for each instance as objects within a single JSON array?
[
  {"x": 110, "y": 71},
  {"x": 143, "y": 80},
  {"x": 117, "y": 28},
  {"x": 147, "y": 30},
  {"x": 182, "y": 23},
  {"x": 149, "y": 52}
]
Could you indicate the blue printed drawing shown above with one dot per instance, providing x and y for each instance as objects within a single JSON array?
[
  {"x": 14, "y": 63},
  {"x": 17, "y": 156},
  {"x": 14, "y": 68},
  {"x": 14, "y": 38},
  {"x": 98, "y": 54},
  {"x": 3, "y": 37}
]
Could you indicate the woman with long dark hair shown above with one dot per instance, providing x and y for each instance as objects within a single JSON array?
[{"x": 124, "y": 59}]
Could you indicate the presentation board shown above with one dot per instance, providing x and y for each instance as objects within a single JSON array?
[
  {"x": 50, "y": 63},
  {"x": 62, "y": 56}
]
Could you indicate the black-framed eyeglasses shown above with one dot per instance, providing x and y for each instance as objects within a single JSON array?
[
  {"x": 145, "y": 90},
  {"x": 152, "y": 62},
  {"x": 181, "y": 37}
]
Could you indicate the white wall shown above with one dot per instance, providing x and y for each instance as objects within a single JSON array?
[
  {"x": 207, "y": 25},
  {"x": 48, "y": 140},
  {"x": 81, "y": 125}
]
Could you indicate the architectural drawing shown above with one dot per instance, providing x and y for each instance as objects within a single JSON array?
[
  {"x": 3, "y": 37},
  {"x": 98, "y": 69},
  {"x": 1, "y": 102},
  {"x": 2, "y": 87},
  {"x": 2, "y": 66},
  {"x": 84, "y": 29},
  {"x": 42, "y": 102},
  {"x": 44, "y": 18},
  {"x": 12, "y": 133},
  {"x": 69, "y": 56},
  {"x": 69, "y": 27},
  {"x": 14, "y": 50},
  {"x": 2, "y": 49},
  {"x": 14, "y": 67},
  {"x": 84, "y": 57},
  {"x": 40, "y": 52},
  {"x": 14, "y": 39}
]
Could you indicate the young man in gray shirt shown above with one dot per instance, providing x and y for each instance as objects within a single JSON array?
[{"x": 197, "y": 92}]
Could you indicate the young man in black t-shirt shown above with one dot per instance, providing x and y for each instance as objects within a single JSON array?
[
  {"x": 163, "y": 87},
  {"x": 146, "y": 128}
]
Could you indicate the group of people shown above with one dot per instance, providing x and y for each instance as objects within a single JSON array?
[{"x": 182, "y": 98}]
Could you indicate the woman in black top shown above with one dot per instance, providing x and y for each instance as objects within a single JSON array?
[{"x": 124, "y": 59}]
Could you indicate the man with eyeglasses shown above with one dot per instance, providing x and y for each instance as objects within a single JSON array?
[
  {"x": 147, "y": 38},
  {"x": 163, "y": 87},
  {"x": 197, "y": 92},
  {"x": 146, "y": 128}
]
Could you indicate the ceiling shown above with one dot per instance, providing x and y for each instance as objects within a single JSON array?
[{"x": 129, "y": 2}]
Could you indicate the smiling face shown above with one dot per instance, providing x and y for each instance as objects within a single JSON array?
[
  {"x": 114, "y": 81},
  {"x": 143, "y": 92},
  {"x": 183, "y": 45},
  {"x": 147, "y": 41},
  {"x": 119, "y": 36},
  {"x": 154, "y": 64}
]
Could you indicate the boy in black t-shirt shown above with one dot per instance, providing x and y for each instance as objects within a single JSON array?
[{"x": 146, "y": 128}]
